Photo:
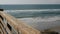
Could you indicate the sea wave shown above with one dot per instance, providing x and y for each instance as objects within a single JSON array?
[
  {"x": 34, "y": 13},
  {"x": 39, "y": 19},
  {"x": 33, "y": 10}
]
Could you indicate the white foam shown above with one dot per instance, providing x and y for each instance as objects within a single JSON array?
[
  {"x": 32, "y": 10},
  {"x": 42, "y": 23}
]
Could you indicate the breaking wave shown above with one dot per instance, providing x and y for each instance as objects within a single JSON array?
[{"x": 39, "y": 19}]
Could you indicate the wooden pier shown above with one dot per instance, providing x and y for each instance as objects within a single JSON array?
[{"x": 10, "y": 25}]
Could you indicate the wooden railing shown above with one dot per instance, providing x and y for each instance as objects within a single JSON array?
[{"x": 11, "y": 25}]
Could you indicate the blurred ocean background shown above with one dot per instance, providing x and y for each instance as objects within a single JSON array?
[{"x": 39, "y": 17}]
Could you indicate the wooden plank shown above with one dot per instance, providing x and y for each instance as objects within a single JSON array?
[
  {"x": 2, "y": 29},
  {"x": 1, "y": 32},
  {"x": 19, "y": 25},
  {"x": 5, "y": 26}
]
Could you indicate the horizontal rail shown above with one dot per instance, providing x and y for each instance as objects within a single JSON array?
[{"x": 18, "y": 25}]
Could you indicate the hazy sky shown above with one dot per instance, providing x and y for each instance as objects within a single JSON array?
[{"x": 29, "y": 1}]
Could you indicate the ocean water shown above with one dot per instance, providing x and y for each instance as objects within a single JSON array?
[
  {"x": 30, "y": 6},
  {"x": 40, "y": 19}
]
